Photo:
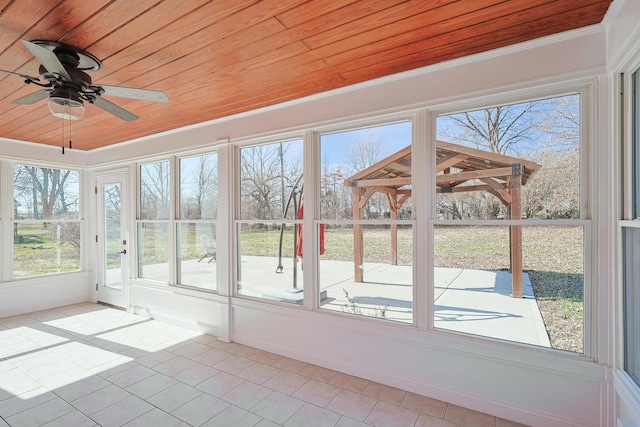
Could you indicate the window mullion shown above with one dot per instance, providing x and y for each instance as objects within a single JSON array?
[{"x": 311, "y": 165}]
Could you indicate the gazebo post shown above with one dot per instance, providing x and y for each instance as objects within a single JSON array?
[
  {"x": 358, "y": 246},
  {"x": 392, "y": 198},
  {"x": 515, "y": 231}
]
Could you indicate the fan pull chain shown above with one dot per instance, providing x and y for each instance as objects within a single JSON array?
[
  {"x": 62, "y": 136},
  {"x": 69, "y": 133}
]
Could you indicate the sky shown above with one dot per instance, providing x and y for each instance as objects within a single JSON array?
[{"x": 334, "y": 147}]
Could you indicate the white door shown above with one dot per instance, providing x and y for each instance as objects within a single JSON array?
[{"x": 113, "y": 239}]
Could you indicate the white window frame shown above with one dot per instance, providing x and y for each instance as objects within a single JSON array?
[
  {"x": 173, "y": 220},
  {"x": 7, "y": 173},
  {"x": 313, "y": 162},
  {"x": 178, "y": 220},
  {"x": 586, "y": 89},
  {"x": 630, "y": 203},
  {"x": 238, "y": 221}
]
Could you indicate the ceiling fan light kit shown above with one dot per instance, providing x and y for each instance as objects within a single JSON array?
[
  {"x": 66, "y": 106},
  {"x": 65, "y": 82}
]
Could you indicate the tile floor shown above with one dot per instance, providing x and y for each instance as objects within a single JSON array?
[{"x": 90, "y": 365}]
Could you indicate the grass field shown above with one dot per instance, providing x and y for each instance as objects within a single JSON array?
[
  {"x": 553, "y": 258},
  {"x": 38, "y": 250}
]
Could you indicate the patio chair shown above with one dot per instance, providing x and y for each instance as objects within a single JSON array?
[{"x": 209, "y": 247}]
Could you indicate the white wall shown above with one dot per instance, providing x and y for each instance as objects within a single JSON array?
[
  {"x": 190, "y": 309},
  {"x": 35, "y": 294},
  {"x": 534, "y": 386}
]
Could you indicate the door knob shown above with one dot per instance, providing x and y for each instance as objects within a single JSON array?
[{"x": 123, "y": 252}]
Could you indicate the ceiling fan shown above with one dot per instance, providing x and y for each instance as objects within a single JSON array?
[{"x": 63, "y": 74}]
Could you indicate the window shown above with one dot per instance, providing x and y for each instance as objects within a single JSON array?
[
  {"x": 196, "y": 227},
  {"x": 271, "y": 197},
  {"x": 631, "y": 244},
  {"x": 153, "y": 223},
  {"x": 178, "y": 222},
  {"x": 510, "y": 233},
  {"x": 365, "y": 236},
  {"x": 47, "y": 225}
]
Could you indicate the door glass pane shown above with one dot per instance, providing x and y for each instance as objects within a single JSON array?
[{"x": 112, "y": 236}]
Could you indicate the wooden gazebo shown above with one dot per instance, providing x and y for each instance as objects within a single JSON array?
[{"x": 458, "y": 169}]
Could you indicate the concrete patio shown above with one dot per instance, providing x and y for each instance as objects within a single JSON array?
[{"x": 469, "y": 301}]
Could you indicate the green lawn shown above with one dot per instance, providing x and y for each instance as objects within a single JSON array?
[{"x": 37, "y": 251}]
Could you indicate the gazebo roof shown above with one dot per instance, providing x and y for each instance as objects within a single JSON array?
[
  {"x": 458, "y": 169},
  {"x": 455, "y": 165}
]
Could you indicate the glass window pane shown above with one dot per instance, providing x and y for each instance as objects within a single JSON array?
[
  {"x": 530, "y": 151},
  {"x": 631, "y": 250},
  {"x": 365, "y": 175},
  {"x": 153, "y": 251},
  {"x": 199, "y": 187},
  {"x": 353, "y": 160},
  {"x": 270, "y": 178},
  {"x": 635, "y": 175},
  {"x": 268, "y": 266},
  {"x": 378, "y": 286},
  {"x": 196, "y": 254},
  {"x": 112, "y": 242},
  {"x": 155, "y": 196},
  {"x": 46, "y": 248},
  {"x": 631, "y": 245},
  {"x": 473, "y": 284},
  {"x": 45, "y": 193}
]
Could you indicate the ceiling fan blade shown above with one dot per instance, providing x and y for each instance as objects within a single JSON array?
[
  {"x": 32, "y": 98},
  {"x": 24, "y": 76},
  {"x": 114, "y": 109},
  {"x": 128, "y": 92},
  {"x": 47, "y": 58}
]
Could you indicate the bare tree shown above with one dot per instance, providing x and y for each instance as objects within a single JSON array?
[
  {"x": 503, "y": 129},
  {"x": 43, "y": 190},
  {"x": 155, "y": 190},
  {"x": 264, "y": 169},
  {"x": 365, "y": 151},
  {"x": 560, "y": 121},
  {"x": 199, "y": 187},
  {"x": 334, "y": 196}
]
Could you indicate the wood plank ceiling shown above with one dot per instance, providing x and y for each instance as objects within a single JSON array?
[{"x": 217, "y": 58}]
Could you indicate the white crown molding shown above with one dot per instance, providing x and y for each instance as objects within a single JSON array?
[{"x": 25, "y": 151}]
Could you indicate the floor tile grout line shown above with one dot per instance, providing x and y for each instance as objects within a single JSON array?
[{"x": 175, "y": 343}]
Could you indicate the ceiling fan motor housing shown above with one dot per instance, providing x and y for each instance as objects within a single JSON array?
[{"x": 64, "y": 69}]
